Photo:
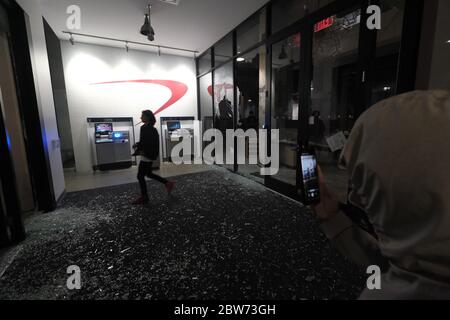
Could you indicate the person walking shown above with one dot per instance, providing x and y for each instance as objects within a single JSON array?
[{"x": 148, "y": 149}]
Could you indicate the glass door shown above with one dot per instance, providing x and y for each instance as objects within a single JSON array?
[
  {"x": 334, "y": 104},
  {"x": 285, "y": 104},
  {"x": 251, "y": 111}
]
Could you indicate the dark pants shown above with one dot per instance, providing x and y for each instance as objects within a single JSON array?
[{"x": 145, "y": 170}]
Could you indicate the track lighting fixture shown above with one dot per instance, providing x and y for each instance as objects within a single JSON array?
[{"x": 126, "y": 42}]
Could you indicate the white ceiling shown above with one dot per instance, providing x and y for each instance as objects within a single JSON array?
[{"x": 193, "y": 24}]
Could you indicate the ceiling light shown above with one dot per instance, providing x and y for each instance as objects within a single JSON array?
[
  {"x": 175, "y": 2},
  {"x": 147, "y": 29},
  {"x": 448, "y": 41},
  {"x": 240, "y": 59}
]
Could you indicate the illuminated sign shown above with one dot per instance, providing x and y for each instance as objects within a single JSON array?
[{"x": 324, "y": 24}]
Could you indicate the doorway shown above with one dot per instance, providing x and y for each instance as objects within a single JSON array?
[
  {"x": 16, "y": 192},
  {"x": 286, "y": 74},
  {"x": 13, "y": 126}
]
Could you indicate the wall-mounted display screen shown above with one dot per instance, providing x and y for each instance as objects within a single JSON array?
[
  {"x": 103, "y": 127},
  {"x": 173, "y": 126}
]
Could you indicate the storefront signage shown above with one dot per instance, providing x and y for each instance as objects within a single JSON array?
[{"x": 324, "y": 24}]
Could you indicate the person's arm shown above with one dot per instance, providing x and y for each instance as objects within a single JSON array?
[
  {"x": 142, "y": 138},
  {"x": 349, "y": 239}
]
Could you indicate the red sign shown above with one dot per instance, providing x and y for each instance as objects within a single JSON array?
[{"x": 324, "y": 24}]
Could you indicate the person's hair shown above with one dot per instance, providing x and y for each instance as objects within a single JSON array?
[{"x": 149, "y": 116}]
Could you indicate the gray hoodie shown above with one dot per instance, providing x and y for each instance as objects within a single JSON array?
[{"x": 398, "y": 160}]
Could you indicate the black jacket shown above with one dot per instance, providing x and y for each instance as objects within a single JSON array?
[{"x": 149, "y": 144}]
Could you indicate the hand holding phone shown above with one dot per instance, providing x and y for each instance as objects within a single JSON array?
[
  {"x": 328, "y": 206},
  {"x": 309, "y": 178}
]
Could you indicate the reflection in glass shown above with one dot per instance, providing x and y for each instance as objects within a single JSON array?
[
  {"x": 287, "y": 12},
  {"x": 251, "y": 32},
  {"x": 223, "y": 101},
  {"x": 223, "y": 51},
  {"x": 204, "y": 63},
  {"x": 333, "y": 109},
  {"x": 285, "y": 104},
  {"x": 389, "y": 38},
  {"x": 206, "y": 103},
  {"x": 251, "y": 88}
]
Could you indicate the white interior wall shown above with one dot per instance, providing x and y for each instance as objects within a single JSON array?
[
  {"x": 44, "y": 92},
  {"x": 86, "y": 64}
]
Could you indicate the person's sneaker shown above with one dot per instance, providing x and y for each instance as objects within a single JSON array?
[
  {"x": 140, "y": 201},
  {"x": 169, "y": 187}
]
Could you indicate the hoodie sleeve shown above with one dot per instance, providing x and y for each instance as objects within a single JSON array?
[
  {"x": 353, "y": 242},
  {"x": 348, "y": 238}
]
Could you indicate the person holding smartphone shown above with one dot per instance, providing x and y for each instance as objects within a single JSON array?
[
  {"x": 148, "y": 149},
  {"x": 398, "y": 160}
]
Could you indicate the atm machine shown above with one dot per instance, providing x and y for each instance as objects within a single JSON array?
[
  {"x": 112, "y": 148},
  {"x": 173, "y": 135}
]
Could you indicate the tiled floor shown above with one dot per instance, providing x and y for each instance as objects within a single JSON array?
[{"x": 87, "y": 181}]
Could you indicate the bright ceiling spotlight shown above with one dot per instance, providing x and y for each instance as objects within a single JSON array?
[
  {"x": 147, "y": 29},
  {"x": 240, "y": 59}
]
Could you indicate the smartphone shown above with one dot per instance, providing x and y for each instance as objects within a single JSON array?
[{"x": 309, "y": 178}]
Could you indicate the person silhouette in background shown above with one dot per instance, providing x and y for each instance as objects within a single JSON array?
[
  {"x": 148, "y": 149},
  {"x": 251, "y": 122},
  {"x": 316, "y": 127},
  {"x": 398, "y": 160}
]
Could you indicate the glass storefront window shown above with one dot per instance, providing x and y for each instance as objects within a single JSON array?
[
  {"x": 287, "y": 12},
  {"x": 204, "y": 63},
  {"x": 333, "y": 95},
  {"x": 223, "y": 51},
  {"x": 389, "y": 38},
  {"x": 251, "y": 32},
  {"x": 285, "y": 104},
  {"x": 206, "y": 103},
  {"x": 251, "y": 109}
]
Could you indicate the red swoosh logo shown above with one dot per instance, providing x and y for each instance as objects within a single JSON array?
[{"x": 178, "y": 89}]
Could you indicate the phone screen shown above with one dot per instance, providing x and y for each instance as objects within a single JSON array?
[{"x": 310, "y": 177}]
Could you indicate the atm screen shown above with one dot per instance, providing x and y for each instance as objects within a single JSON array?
[
  {"x": 173, "y": 126},
  {"x": 103, "y": 127}
]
